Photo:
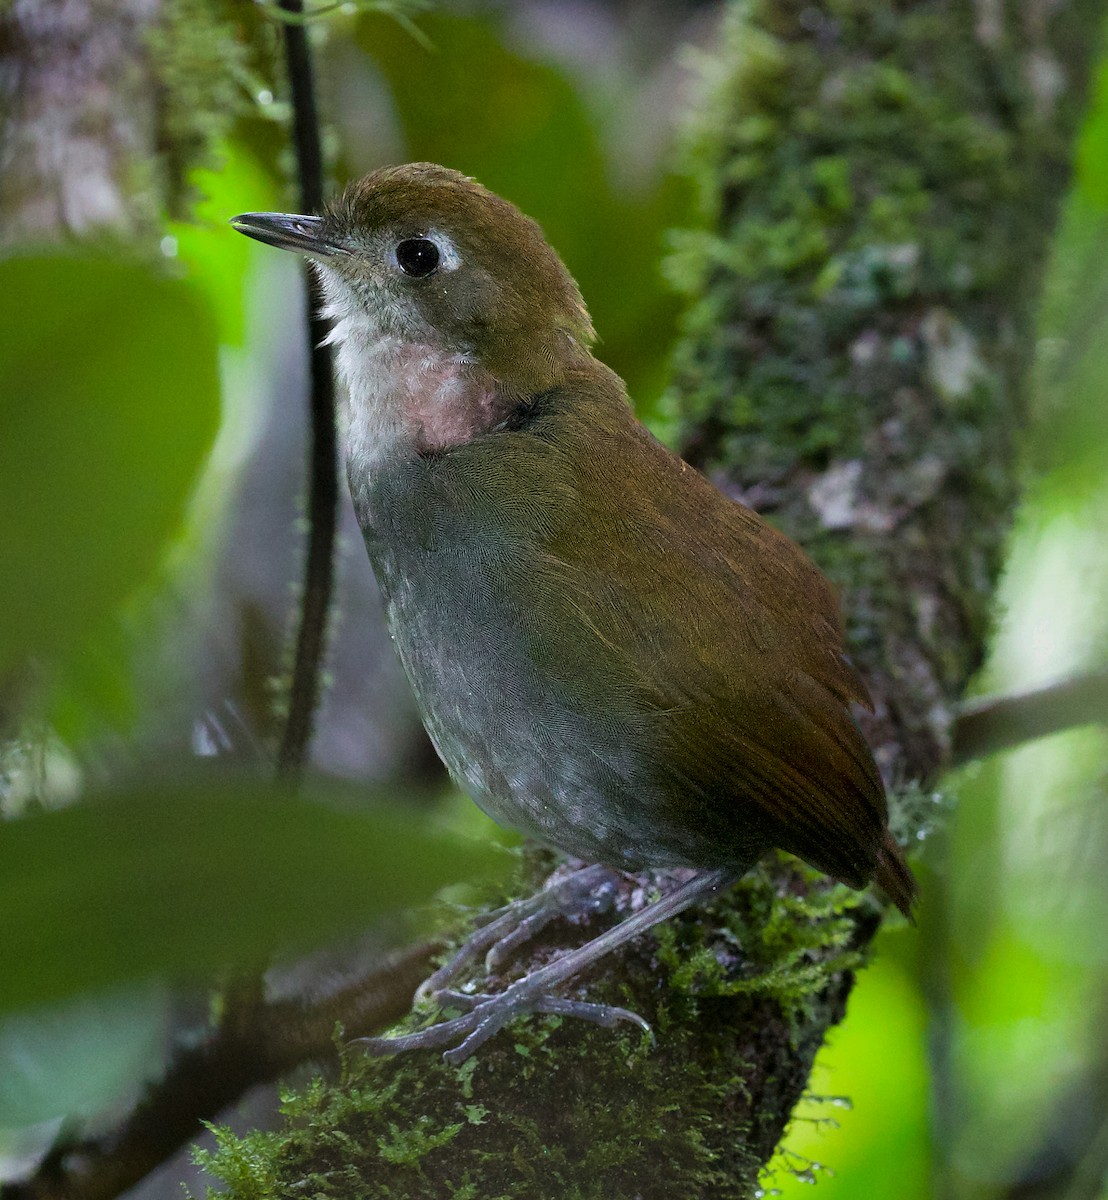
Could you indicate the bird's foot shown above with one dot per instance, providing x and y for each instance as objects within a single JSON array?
[
  {"x": 484, "y": 1015},
  {"x": 582, "y": 893},
  {"x": 537, "y": 992}
]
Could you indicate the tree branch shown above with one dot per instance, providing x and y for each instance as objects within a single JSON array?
[
  {"x": 996, "y": 723},
  {"x": 205, "y": 1079}
]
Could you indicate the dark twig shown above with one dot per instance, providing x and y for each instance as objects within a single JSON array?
[
  {"x": 992, "y": 724},
  {"x": 244, "y": 1006},
  {"x": 244, "y": 996},
  {"x": 323, "y": 469},
  {"x": 205, "y": 1079}
]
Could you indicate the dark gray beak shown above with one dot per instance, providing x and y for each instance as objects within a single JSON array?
[{"x": 288, "y": 231}]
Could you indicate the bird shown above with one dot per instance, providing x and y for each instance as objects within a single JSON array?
[{"x": 608, "y": 654}]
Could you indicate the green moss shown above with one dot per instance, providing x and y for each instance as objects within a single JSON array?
[
  {"x": 248, "y": 1165},
  {"x": 593, "y": 1113},
  {"x": 788, "y": 940},
  {"x": 858, "y": 187},
  {"x": 595, "y": 1135},
  {"x": 211, "y": 62},
  {"x": 832, "y": 170}
]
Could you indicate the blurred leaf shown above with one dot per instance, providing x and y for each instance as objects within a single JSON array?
[
  {"x": 184, "y": 882},
  {"x": 869, "y": 1123},
  {"x": 96, "y": 690},
  {"x": 109, "y": 401},
  {"x": 214, "y": 255},
  {"x": 1071, "y": 417},
  {"x": 73, "y": 1059},
  {"x": 1091, "y": 176},
  {"x": 521, "y": 127}
]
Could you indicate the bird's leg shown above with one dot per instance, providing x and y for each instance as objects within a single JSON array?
[
  {"x": 536, "y": 992},
  {"x": 583, "y": 892}
]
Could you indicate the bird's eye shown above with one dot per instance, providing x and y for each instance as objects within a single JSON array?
[{"x": 417, "y": 257}]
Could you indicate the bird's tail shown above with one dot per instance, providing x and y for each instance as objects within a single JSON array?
[{"x": 895, "y": 877}]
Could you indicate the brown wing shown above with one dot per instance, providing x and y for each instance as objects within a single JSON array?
[
  {"x": 665, "y": 610},
  {"x": 731, "y": 637}
]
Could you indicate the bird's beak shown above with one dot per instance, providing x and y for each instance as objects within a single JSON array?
[{"x": 288, "y": 231}]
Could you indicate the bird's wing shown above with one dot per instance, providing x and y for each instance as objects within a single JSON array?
[
  {"x": 648, "y": 598},
  {"x": 693, "y": 609}
]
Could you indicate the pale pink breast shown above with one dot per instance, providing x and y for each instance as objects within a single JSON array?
[{"x": 446, "y": 401}]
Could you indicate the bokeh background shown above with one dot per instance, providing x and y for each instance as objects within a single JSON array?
[{"x": 973, "y": 1063}]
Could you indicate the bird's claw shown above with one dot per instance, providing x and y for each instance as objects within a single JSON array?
[
  {"x": 585, "y": 892},
  {"x": 485, "y": 1015}
]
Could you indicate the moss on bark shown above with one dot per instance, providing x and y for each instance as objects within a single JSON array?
[{"x": 881, "y": 183}]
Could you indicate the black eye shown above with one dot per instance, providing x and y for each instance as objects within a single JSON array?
[{"x": 417, "y": 257}]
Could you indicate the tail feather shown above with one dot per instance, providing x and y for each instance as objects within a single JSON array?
[{"x": 895, "y": 877}]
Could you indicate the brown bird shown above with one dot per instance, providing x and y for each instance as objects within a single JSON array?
[{"x": 608, "y": 654}]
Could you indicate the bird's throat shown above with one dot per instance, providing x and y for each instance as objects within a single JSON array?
[{"x": 407, "y": 396}]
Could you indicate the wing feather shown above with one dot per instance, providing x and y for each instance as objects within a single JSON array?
[
  {"x": 652, "y": 599},
  {"x": 730, "y": 637}
]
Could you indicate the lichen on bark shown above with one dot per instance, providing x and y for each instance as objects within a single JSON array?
[{"x": 879, "y": 184}]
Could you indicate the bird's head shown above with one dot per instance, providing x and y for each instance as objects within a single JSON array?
[{"x": 422, "y": 254}]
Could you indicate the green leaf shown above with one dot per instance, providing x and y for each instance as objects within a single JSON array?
[
  {"x": 213, "y": 256},
  {"x": 184, "y": 882},
  {"x": 1091, "y": 175},
  {"x": 76, "y": 1058},
  {"x": 109, "y": 401}
]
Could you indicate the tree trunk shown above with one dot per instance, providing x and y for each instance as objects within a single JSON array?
[{"x": 77, "y": 82}]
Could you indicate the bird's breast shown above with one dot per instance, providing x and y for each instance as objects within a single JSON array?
[{"x": 542, "y": 753}]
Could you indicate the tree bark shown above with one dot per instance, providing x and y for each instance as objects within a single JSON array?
[
  {"x": 881, "y": 183},
  {"x": 77, "y": 82}
]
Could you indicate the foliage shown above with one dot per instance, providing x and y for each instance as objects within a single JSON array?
[
  {"x": 187, "y": 881},
  {"x": 104, "y": 432}
]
